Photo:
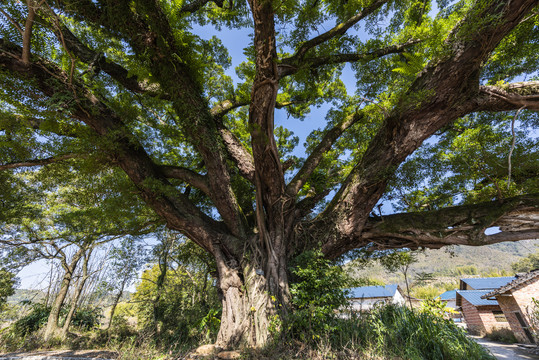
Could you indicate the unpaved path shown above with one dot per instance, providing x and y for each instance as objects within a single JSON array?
[
  {"x": 505, "y": 351},
  {"x": 61, "y": 355}
]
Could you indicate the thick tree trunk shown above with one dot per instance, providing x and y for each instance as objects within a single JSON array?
[
  {"x": 255, "y": 288},
  {"x": 255, "y": 297}
]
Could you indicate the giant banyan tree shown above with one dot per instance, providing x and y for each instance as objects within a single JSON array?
[{"x": 439, "y": 126}]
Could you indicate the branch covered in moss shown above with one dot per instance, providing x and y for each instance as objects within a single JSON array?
[
  {"x": 187, "y": 175},
  {"x": 290, "y": 66},
  {"x": 517, "y": 219},
  {"x": 509, "y": 96},
  {"x": 37, "y": 162}
]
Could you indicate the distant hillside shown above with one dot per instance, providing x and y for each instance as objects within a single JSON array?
[
  {"x": 453, "y": 261},
  {"x": 487, "y": 259},
  {"x": 37, "y": 296},
  {"x": 26, "y": 295}
]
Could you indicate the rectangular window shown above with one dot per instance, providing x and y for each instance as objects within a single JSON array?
[{"x": 499, "y": 316}]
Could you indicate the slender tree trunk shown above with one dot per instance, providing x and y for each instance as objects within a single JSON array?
[
  {"x": 52, "y": 327},
  {"x": 73, "y": 307},
  {"x": 408, "y": 289},
  {"x": 202, "y": 296},
  {"x": 116, "y": 301},
  {"x": 47, "y": 296},
  {"x": 54, "y": 316},
  {"x": 163, "y": 266},
  {"x": 76, "y": 295}
]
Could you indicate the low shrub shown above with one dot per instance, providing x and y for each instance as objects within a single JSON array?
[
  {"x": 502, "y": 335},
  {"x": 120, "y": 329},
  {"x": 87, "y": 318},
  {"x": 318, "y": 291},
  {"x": 33, "y": 321},
  {"x": 11, "y": 341},
  {"x": 423, "y": 335}
]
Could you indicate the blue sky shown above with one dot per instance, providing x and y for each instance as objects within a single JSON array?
[{"x": 235, "y": 40}]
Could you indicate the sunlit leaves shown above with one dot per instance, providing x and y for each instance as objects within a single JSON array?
[
  {"x": 7, "y": 286},
  {"x": 465, "y": 162},
  {"x": 518, "y": 53},
  {"x": 468, "y": 162}
]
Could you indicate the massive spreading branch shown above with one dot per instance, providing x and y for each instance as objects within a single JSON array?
[{"x": 516, "y": 219}]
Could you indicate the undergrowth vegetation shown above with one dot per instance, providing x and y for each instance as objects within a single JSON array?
[
  {"x": 320, "y": 325},
  {"x": 388, "y": 332},
  {"x": 503, "y": 335}
]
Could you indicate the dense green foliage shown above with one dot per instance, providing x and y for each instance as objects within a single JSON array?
[
  {"x": 176, "y": 299},
  {"x": 403, "y": 333},
  {"x": 85, "y": 319},
  {"x": 469, "y": 161},
  {"x": 33, "y": 321},
  {"x": 466, "y": 162},
  {"x": 7, "y": 286},
  {"x": 387, "y": 332},
  {"x": 318, "y": 290},
  {"x": 184, "y": 309},
  {"x": 529, "y": 263}
]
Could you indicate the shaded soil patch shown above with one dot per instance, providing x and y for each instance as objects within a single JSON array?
[{"x": 64, "y": 354}]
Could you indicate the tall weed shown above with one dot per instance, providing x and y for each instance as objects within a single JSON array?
[{"x": 388, "y": 332}]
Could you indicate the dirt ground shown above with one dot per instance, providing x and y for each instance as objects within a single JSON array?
[
  {"x": 61, "y": 354},
  {"x": 506, "y": 351}
]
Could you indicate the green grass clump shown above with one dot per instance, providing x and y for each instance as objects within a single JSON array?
[
  {"x": 385, "y": 333},
  {"x": 388, "y": 332},
  {"x": 397, "y": 331}
]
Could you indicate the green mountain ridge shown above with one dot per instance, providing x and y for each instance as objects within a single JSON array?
[{"x": 455, "y": 262}]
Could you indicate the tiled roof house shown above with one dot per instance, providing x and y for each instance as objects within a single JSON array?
[
  {"x": 481, "y": 315},
  {"x": 484, "y": 283},
  {"x": 515, "y": 300},
  {"x": 365, "y": 297},
  {"x": 449, "y": 298}
]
